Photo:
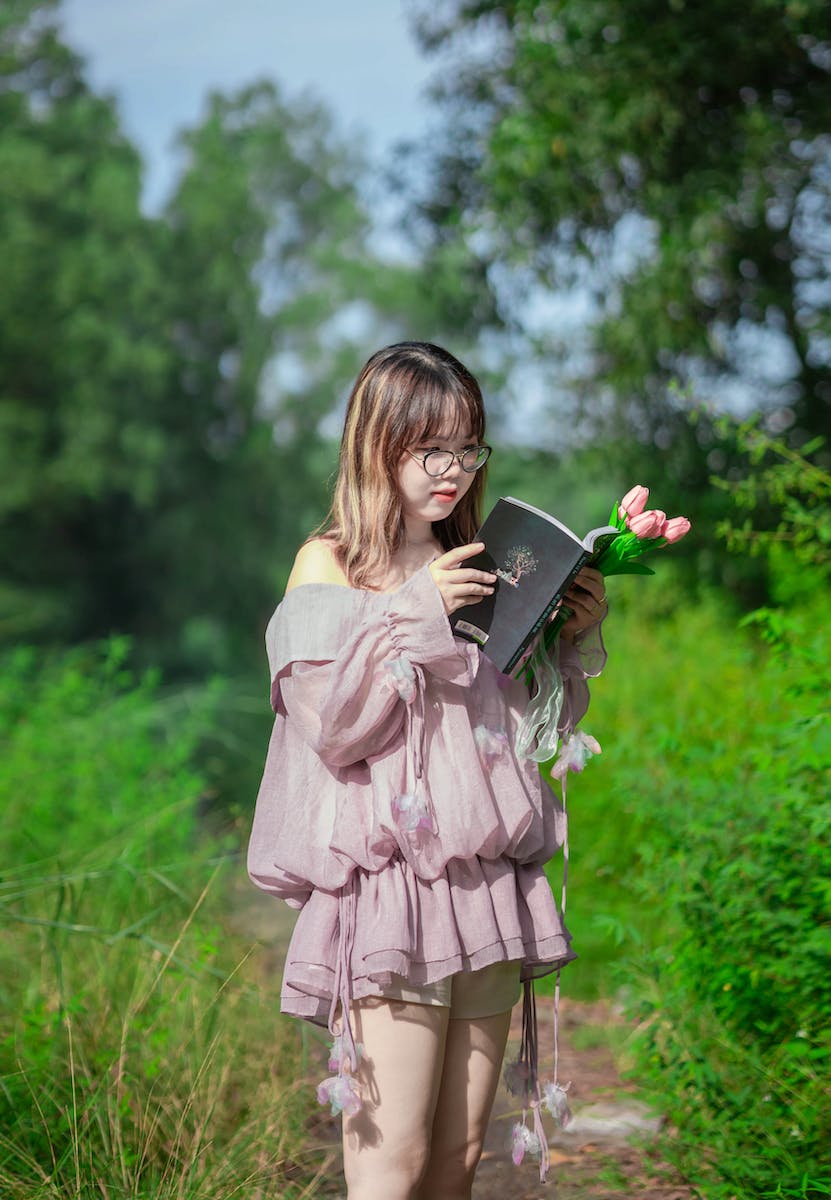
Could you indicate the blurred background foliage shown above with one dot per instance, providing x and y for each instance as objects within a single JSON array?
[{"x": 624, "y": 228}]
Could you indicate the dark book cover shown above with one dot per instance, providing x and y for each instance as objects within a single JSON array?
[{"x": 535, "y": 558}]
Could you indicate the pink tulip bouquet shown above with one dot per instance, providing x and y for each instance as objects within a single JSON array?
[
  {"x": 635, "y": 529},
  {"x": 641, "y": 529}
]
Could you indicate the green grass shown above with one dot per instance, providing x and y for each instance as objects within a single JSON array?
[
  {"x": 698, "y": 888},
  {"x": 597, "y": 1037},
  {"x": 685, "y": 700},
  {"x": 135, "y": 1064},
  {"x": 141, "y": 1051},
  {"x": 141, "y": 1054}
]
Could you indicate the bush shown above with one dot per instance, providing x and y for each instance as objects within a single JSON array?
[
  {"x": 699, "y": 878},
  {"x": 735, "y": 1032},
  {"x": 94, "y": 755},
  {"x": 140, "y": 1054}
]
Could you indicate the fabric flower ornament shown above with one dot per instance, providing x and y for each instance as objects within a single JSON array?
[
  {"x": 516, "y": 1078},
  {"x": 556, "y": 1101},
  {"x": 411, "y": 813},
  {"x": 337, "y": 1052},
  {"x": 575, "y": 752},
  {"x": 490, "y": 742},
  {"x": 400, "y": 676},
  {"x": 340, "y": 1092},
  {"x": 523, "y": 1141}
]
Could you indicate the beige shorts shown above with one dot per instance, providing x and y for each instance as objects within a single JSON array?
[{"x": 468, "y": 994}]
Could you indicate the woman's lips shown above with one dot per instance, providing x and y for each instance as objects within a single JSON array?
[{"x": 445, "y": 496}]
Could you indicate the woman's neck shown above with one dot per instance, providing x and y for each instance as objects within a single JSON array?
[
  {"x": 418, "y": 533},
  {"x": 419, "y": 547}
]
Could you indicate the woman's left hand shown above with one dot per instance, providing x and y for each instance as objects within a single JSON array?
[{"x": 587, "y": 599}]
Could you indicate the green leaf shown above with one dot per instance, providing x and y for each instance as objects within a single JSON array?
[
  {"x": 629, "y": 567},
  {"x": 618, "y": 521}
]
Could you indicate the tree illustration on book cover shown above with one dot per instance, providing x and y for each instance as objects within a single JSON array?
[{"x": 519, "y": 561}]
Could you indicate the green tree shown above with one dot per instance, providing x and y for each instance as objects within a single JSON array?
[
  {"x": 277, "y": 297},
  {"x": 165, "y": 382},
  {"x": 795, "y": 494},
  {"x": 670, "y": 158},
  {"x": 82, "y": 348}
]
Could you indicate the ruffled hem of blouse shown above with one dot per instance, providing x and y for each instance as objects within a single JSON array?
[{"x": 479, "y": 912}]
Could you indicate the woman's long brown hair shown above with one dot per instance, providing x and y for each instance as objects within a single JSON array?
[{"x": 404, "y": 394}]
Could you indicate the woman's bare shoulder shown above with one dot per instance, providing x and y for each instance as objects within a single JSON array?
[{"x": 316, "y": 563}]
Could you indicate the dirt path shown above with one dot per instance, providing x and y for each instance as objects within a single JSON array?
[{"x": 606, "y": 1152}]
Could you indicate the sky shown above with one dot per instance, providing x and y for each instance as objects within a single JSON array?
[{"x": 161, "y": 57}]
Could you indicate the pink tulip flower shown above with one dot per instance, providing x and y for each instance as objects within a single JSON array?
[
  {"x": 676, "y": 528},
  {"x": 648, "y": 524},
  {"x": 634, "y": 502}
]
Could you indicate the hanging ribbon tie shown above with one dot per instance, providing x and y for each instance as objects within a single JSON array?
[
  {"x": 537, "y": 736},
  {"x": 341, "y": 1091},
  {"x": 415, "y": 722},
  {"x": 522, "y": 1079},
  {"x": 413, "y": 809}
]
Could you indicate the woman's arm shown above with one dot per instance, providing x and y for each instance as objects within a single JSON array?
[{"x": 352, "y": 705}]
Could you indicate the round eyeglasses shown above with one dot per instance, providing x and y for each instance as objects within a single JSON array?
[{"x": 439, "y": 462}]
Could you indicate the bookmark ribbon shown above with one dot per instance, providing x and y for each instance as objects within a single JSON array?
[{"x": 542, "y": 716}]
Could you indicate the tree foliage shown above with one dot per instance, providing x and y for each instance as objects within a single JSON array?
[
  {"x": 673, "y": 160},
  {"x": 798, "y": 494},
  {"x": 164, "y": 381}
]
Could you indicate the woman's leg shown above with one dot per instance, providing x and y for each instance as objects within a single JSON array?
[
  {"x": 472, "y": 1060},
  {"x": 386, "y": 1145}
]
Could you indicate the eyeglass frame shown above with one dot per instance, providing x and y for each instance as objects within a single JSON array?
[{"x": 457, "y": 457}]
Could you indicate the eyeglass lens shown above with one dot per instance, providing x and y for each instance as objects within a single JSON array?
[{"x": 436, "y": 462}]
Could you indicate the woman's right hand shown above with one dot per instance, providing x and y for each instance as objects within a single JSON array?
[{"x": 461, "y": 585}]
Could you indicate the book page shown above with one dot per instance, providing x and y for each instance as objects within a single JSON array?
[
  {"x": 588, "y": 541},
  {"x": 598, "y": 539},
  {"x": 546, "y": 517}
]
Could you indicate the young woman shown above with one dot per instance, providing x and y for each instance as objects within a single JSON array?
[{"x": 394, "y": 811}]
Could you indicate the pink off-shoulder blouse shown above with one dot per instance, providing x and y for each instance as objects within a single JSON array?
[{"x": 377, "y": 705}]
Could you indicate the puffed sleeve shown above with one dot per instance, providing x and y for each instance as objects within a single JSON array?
[{"x": 345, "y": 688}]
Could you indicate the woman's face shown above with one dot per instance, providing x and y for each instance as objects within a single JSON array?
[{"x": 429, "y": 498}]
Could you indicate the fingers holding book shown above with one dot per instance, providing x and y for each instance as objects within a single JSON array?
[
  {"x": 460, "y": 585},
  {"x": 587, "y": 600},
  {"x": 592, "y": 585}
]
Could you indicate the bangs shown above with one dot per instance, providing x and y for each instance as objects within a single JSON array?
[{"x": 438, "y": 410}]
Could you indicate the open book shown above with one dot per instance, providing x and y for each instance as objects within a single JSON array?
[{"x": 535, "y": 558}]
